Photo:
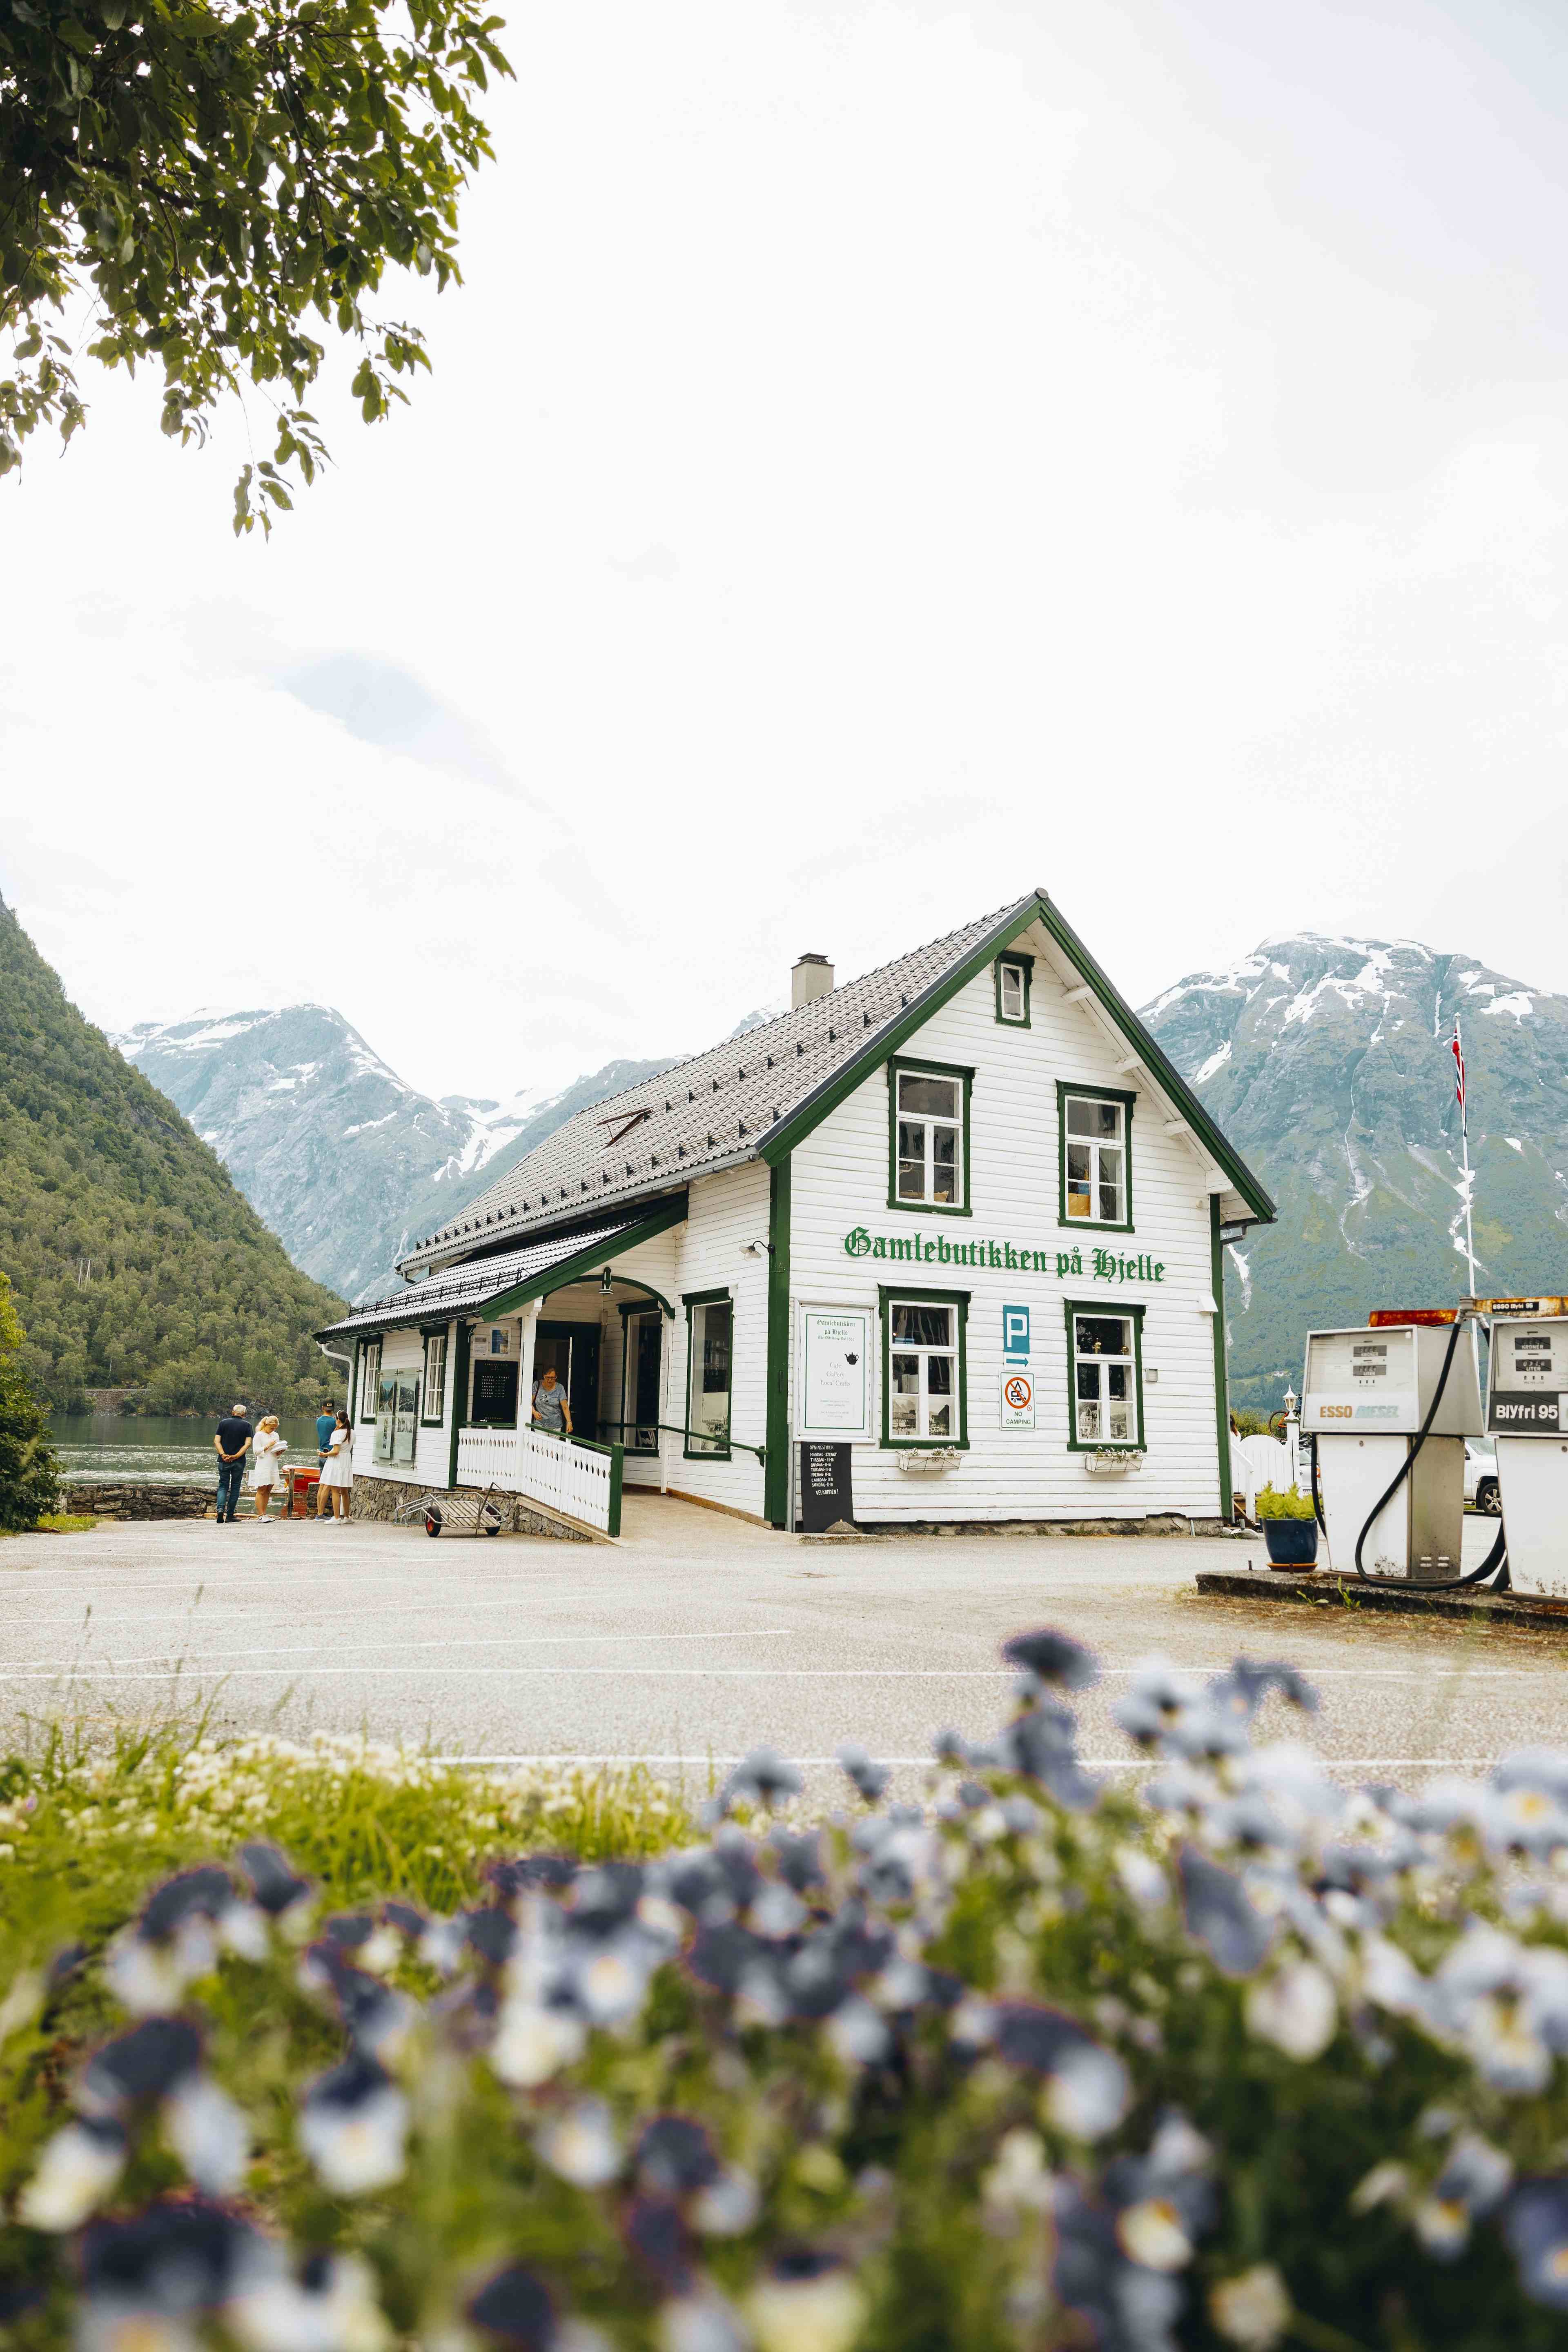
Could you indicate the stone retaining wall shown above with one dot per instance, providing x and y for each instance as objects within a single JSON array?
[
  {"x": 113, "y": 1500},
  {"x": 382, "y": 1498}
]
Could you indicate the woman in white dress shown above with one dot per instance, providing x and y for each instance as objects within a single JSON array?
[
  {"x": 266, "y": 1453},
  {"x": 337, "y": 1471}
]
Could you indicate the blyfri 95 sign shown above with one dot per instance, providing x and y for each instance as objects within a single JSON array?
[{"x": 1073, "y": 1265}]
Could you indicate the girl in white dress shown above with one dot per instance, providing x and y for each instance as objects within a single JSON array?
[
  {"x": 266, "y": 1463},
  {"x": 337, "y": 1471}
]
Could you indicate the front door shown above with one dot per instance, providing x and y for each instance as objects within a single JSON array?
[
  {"x": 574, "y": 1349},
  {"x": 639, "y": 1412}
]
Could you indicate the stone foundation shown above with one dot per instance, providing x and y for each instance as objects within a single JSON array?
[
  {"x": 114, "y": 1501},
  {"x": 382, "y": 1498}
]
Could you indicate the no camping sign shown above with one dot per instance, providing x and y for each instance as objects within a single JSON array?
[{"x": 1017, "y": 1400}]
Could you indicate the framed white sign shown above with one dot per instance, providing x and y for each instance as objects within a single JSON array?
[
  {"x": 1018, "y": 1397},
  {"x": 832, "y": 1373}
]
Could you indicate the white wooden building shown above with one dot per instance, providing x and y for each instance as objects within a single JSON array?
[{"x": 942, "y": 1244}]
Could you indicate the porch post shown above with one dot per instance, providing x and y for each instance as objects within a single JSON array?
[
  {"x": 457, "y": 1375},
  {"x": 527, "y": 1328}
]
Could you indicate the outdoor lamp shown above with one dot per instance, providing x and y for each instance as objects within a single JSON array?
[{"x": 607, "y": 1282}]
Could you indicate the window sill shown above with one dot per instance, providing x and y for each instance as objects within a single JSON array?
[
  {"x": 1108, "y": 1461},
  {"x": 690, "y": 1453},
  {"x": 927, "y": 1458},
  {"x": 1092, "y": 1225},
  {"x": 928, "y": 1208}
]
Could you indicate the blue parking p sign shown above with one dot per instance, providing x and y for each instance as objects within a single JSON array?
[{"x": 1015, "y": 1332}]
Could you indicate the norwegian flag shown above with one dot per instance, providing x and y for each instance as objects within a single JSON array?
[{"x": 1459, "y": 1067}]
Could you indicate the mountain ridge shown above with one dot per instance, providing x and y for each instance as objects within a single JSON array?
[{"x": 1326, "y": 1058}]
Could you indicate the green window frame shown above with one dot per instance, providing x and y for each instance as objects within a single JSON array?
[
  {"x": 634, "y": 1313},
  {"x": 697, "y": 1303},
  {"x": 1096, "y": 1146},
  {"x": 1012, "y": 961},
  {"x": 1099, "y": 1310},
  {"x": 911, "y": 1295},
  {"x": 899, "y": 1069},
  {"x": 433, "y": 1383},
  {"x": 397, "y": 1416}
]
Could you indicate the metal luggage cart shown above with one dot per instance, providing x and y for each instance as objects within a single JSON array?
[{"x": 461, "y": 1515}]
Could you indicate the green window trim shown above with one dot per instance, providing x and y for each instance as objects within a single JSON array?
[
  {"x": 888, "y": 1295},
  {"x": 1067, "y": 1090},
  {"x": 1024, "y": 966},
  {"x": 457, "y": 1379},
  {"x": 1108, "y": 1310},
  {"x": 637, "y": 1310},
  {"x": 689, "y": 1299},
  {"x": 428, "y": 1331},
  {"x": 899, "y": 1065},
  {"x": 1221, "y": 1369},
  {"x": 776, "y": 1434}
]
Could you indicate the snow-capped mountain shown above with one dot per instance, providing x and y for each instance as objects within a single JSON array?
[
  {"x": 1328, "y": 1061},
  {"x": 339, "y": 1155}
]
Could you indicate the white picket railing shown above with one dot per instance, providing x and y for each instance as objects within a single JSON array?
[{"x": 572, "y": 1475}]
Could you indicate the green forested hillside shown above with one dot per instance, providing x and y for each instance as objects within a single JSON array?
[{"x": 134, "y": 1260}]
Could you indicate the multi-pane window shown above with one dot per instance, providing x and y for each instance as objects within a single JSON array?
[
  {"x": 1094, "y": 1155},
  {"x": 923, "y": 1371},
  {"x": 1105, "y": 1380},
  {"x": 929, "y": 1140},
  {"x": 370, "y": 1380},
  {"x": 713, "y": 1335},
  {"x": 1013, "y": 991},
  {"x": 434, "y": 1375}
]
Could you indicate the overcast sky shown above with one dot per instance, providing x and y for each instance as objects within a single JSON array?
[{"x": 884, "y": 456}]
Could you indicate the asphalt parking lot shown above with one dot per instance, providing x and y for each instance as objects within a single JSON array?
[{"x": 701, "y": 1636}]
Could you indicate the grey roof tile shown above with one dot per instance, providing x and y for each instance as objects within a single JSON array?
[
  {"x": 710, "y": 1112},
  {"x": 461, "y": 1288}
]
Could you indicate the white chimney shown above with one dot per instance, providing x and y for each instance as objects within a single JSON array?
[{"x": 811, "y": 978}]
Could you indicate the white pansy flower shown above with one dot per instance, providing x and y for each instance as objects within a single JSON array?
[
  {"x": 1153, "y": 2232},
  {"x": 76, "y": 2170},
  {"x": 1295, "y": 2009},
  {"x": 1252, "y": 2310},
  {"x": 533, "y": 2044},
  {"x": 581, "y": 2145},
  {"x": 209, "y": 2134}
]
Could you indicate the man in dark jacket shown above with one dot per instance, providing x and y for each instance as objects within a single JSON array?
[{"x": 234, "y": 1435}]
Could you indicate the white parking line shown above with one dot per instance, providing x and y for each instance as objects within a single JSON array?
[
  {"x": 467, "y": 1642},
  {"x": 188, "y": 1672},
  {"x": 1089, "y": 1763}
]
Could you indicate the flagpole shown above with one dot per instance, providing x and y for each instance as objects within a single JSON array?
[{"x": 1464, "y": 1148}]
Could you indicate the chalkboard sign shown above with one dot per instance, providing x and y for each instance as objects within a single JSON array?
[{"x": 825, "y": 1493}]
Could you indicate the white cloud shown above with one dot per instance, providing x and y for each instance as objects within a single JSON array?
[{"x": 883, "y": 458}]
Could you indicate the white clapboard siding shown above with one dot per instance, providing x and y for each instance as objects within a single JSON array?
[
  {"x": 840, "y": 1181},
  {"x": 727, "y": 1211}
]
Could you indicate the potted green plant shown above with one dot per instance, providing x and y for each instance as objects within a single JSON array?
[{"x": 1290, "y": 1526}]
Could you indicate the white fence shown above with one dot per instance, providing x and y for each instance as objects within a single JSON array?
[
  {"x": 1259, "y": 1462},
  {"x": 571, "y": 1475}
]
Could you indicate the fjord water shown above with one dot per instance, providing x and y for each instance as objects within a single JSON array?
[{"x": 127, "y": 1450}]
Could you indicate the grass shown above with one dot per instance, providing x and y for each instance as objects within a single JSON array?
[{"x": 57, "y": 1523}]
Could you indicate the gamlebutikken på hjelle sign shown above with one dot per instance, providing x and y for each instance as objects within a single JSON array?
[{"x": 1074, "y": 1265}]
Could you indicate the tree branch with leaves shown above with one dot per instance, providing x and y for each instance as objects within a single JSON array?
[{"x": 219, "y": 189}]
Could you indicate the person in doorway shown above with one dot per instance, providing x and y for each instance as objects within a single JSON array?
[
  {"x": 267, "y": 1467},
  {"x": 231, "y": 1446},
  {"x": 337, "y": 1471},
  {"x": 551, "y": 1410}
]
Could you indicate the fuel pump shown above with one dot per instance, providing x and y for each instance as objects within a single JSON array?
[
  {"x": 1386, "y": 1410},
  {"x": 1527, "y": 1415}
]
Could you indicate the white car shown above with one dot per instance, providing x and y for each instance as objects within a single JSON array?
[{"x": 1482, "y": 1492}]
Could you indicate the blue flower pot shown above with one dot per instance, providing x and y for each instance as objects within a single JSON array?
[{"x": 1292, "y": 1543}]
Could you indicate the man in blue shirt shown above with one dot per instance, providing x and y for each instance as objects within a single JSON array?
[{"x": 326, "y": 1422}]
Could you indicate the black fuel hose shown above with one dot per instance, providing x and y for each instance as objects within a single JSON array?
[{"x": 1496, "y": 1560}]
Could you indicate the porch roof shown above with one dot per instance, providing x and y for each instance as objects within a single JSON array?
[{"x": 501, "y": 1285}]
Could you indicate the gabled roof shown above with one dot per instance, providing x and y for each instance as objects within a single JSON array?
[
  {"x": 758, "y": 1094},
  {"x": 501, "y": 1285}
]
